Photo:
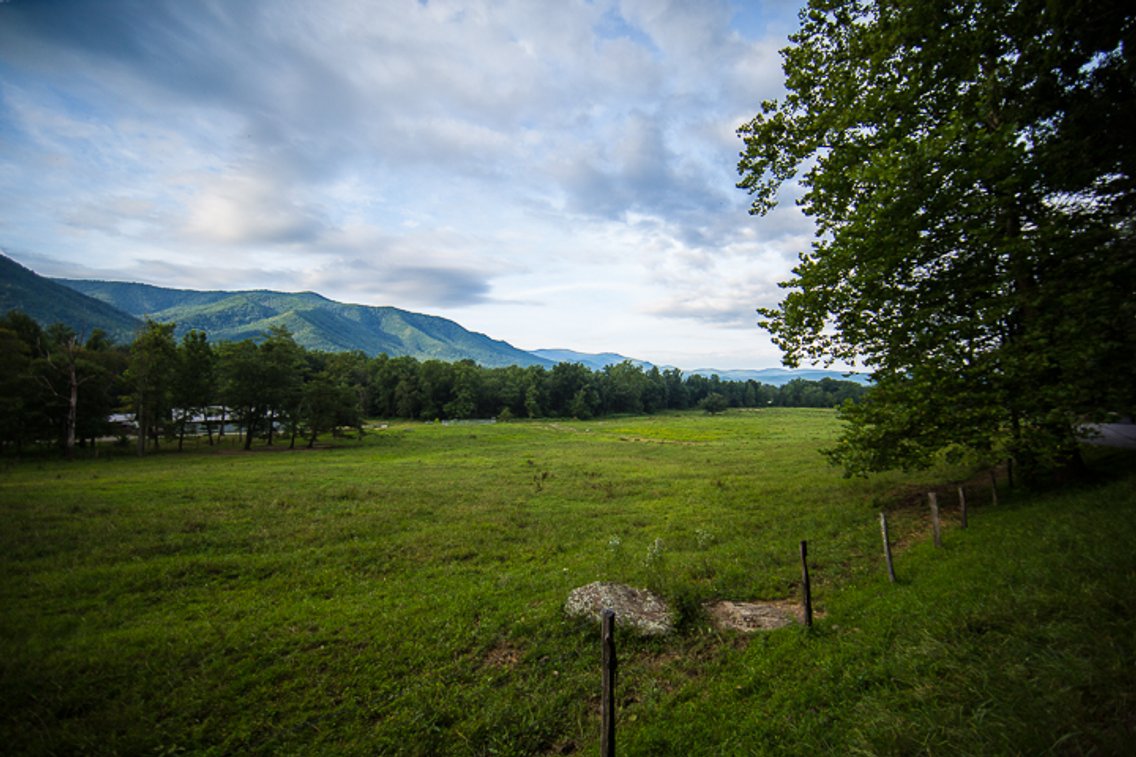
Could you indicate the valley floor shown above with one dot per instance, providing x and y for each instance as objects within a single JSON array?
[{"x": 403, "y": 594}]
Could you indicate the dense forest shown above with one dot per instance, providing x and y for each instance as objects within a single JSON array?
[{"x": 57, "y": 388}]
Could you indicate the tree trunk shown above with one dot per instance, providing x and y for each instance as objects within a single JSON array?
[
  {"x": 1070, "y": 465},
  {"x": 72, "y": 410},
  {"x": 140, "y": 420}
]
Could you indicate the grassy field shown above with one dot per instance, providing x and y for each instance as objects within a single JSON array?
[{"x": 403, "y": 593}]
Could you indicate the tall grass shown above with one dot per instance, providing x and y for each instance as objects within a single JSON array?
[{"x": 402, "y": 594}]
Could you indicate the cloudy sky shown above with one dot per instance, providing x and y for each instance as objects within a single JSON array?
[{"x": 554, "y": 173}]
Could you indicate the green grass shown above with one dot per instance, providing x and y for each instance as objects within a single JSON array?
[{"x": 402, "y": 594}]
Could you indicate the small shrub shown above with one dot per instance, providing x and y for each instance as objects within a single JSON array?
[
  {"x": 714, "y": 403},
  {"x": 686, "y": 604}
]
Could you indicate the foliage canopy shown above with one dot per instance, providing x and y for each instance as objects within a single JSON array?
[{"x": 970, "y": 167}]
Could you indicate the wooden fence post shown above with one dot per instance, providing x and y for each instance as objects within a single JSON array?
[
  {"x": 887, "y": 546},
  {"x": 993, "y": 487},
  {"x": 962, "y": 505},
  {"x": 936, "y": 529},
  {"x": 806, "y": 588},
  {"x": 607, "y": 703}
]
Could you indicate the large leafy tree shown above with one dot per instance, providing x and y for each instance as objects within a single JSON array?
[
  {"x": 78, "y": 379},
  {"x": 282, "y": 373},
  {"x": 970, "y": 166},
  {"x": 194, "y": 386},
  {"x": 241, "y": 381},
  {"x": 23, "y": 397},
  {"x": 101, "y": 385},
  {"x": 152, "y": 367}
]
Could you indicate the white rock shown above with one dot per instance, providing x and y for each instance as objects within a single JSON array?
[{"x": 637, "y": 609}]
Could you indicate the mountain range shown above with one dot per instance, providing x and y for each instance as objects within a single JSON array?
[
  {"x": 594, "y": 361},
  {"x": 317, "y": 323}
]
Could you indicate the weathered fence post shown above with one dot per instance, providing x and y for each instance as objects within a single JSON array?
[
  {"x": 607, "y": 703},
  {"x": 887, "y": 546},
  {"x": 805, "y": 587},
  {"x": 962, "y": 505},
  {"x": 993, "y": 487},
  {"x": 936, "y": 529}
]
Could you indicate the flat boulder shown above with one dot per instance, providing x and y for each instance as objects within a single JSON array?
[
  {"x": 636, "y": 609},
  {"x": 748, "y": 617}
]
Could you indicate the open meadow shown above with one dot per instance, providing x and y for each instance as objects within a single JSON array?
[{"x": 404, "y": 592}]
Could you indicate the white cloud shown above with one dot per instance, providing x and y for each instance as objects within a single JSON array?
[
  {"x": 564, "y": 168},
  {"x": 249, "y": 209}
]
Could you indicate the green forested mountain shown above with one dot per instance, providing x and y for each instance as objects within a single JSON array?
[
  {"x": 49, "y": 302},
  {"x": 316, "y": 322},
  {"x": 141, "y": 300}
]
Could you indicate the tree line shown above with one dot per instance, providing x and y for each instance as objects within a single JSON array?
[{"x": 58, "y": 388}]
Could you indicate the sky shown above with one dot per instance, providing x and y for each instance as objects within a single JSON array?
[{"x": 556, "y": 174}]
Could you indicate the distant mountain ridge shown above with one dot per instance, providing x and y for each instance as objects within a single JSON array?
[
  {"x": 771, "y": 376},
  {"x": 315, "y": 321},
  {"x": 593, "y": 361},
  {"x": 782, "y": 376}
]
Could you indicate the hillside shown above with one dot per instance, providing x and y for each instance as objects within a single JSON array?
[
  {"x": 49, "y": 302},
  {"x": 316, "y": 322}
]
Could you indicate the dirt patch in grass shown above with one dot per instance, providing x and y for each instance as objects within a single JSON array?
[
  {"x": 504, "y": 655},
  {"x": 750, "y": 617}
]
